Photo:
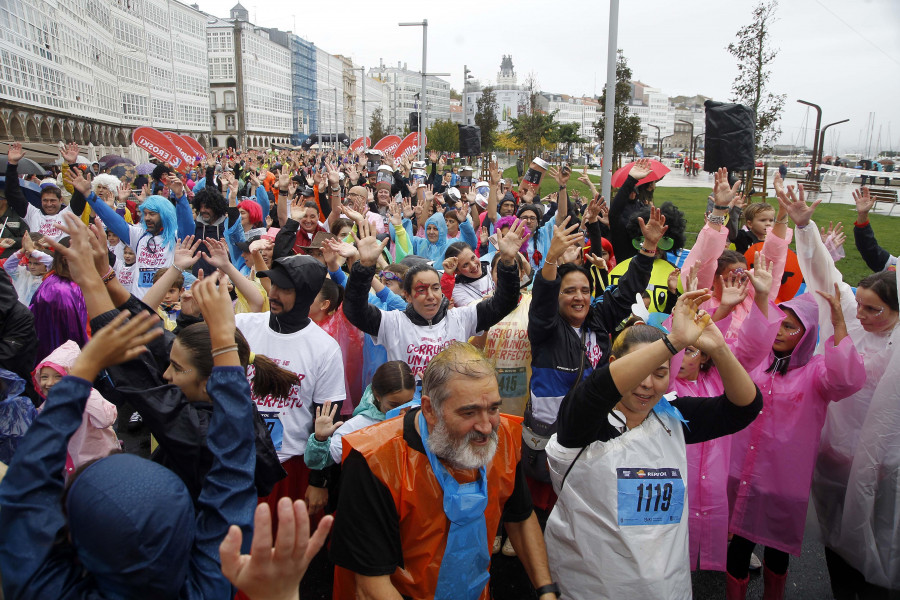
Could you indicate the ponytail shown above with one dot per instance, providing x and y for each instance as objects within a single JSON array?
[{"x": 270, "y": 379}]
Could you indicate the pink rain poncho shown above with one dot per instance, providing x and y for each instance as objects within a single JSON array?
[
  {"x": 95, "y": 437},
  {"x": 708, "y": 462},
  {"x": 350, "y": 340},
  {"x": 855, "y": 484},
  {"x": 709, "y": 246},
  {"x": 772, "y": 459}
]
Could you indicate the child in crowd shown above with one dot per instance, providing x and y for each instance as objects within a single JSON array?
[
  {"x": 28, "y": 275},
  {"x": 96, "y": 437},
  {"x": 758, "y": 218},
  {"x": 126, "y": 265}
]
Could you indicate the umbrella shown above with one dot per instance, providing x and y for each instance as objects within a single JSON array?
[
  {"x": 30, "y": 189},
  {"x": 125, "y": 173},
  {"x": 657, "y": 172},
  {"x": 111, "y": 160},
  {"x": 886, "y": 161},
  {"x": 26, "y": 167},
  {"x": 145, "y": 168}
]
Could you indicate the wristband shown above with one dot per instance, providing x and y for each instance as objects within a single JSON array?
[
  {"x": 110, "y": 275},
  {"x": 219, "y": 351},
  {"x": 647, "y": 251},
  {"x": 665, "y": 340},
  {"x": 782, "y": 221},
  {"x": 550, "y": 588},
  {"x": 717, "y": 207},
  {"x": 715, "y": 220}
]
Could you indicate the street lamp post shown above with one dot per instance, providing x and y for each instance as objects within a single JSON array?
[
  {"x": 822, "y": 137},
  {"x": 691, "y": 152},
  {"x": 813, "y": 166},
  {"x": 425, "y": 74},
  {"x": 658, "y": 147},
  {"x": 362, "y": 71}
]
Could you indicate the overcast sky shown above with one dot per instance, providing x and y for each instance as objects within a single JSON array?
[{"x": 843, "y": 55}]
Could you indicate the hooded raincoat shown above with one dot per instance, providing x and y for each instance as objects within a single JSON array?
[
  {"x": 96, "y": 437},
  {"x": 855, "y": 483},
  {"x": 772, "y": 460},
  {"x": 17, "y": 413},
  {"x": 18, "y": 342},
  {"x": 422, "y": 247},
  {"x": 708, "y": 462},
  {"x": 60, "y": 314}
]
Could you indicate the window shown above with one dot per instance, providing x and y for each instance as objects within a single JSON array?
[{"x": 229, "y": 122}]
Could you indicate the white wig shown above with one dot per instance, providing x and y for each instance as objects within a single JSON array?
[{"x": 110, "y": 182}]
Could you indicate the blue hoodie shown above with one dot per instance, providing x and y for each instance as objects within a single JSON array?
[
  {"x": 134, "y": 532},
  {"x": 422, "y": 247}
]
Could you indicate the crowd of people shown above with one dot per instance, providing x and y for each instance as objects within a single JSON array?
[{"x": 428, "y": 370}]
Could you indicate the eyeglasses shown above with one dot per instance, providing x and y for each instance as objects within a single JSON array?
[
  {"x": 666, "y": 243},
  {"x": 869, "y": 311}
]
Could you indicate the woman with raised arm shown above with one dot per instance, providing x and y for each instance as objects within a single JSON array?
[
  {"x": 854, "y": 482},
  {"x": 618, "y": 461}
]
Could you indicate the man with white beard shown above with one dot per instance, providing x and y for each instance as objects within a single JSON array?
[{"x": 457, "y": 456}]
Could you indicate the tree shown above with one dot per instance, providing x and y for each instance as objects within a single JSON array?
[
  {"x": 755, "y": 55},
  {"x": 454, "y": 95},
  {"x": 532, "y": 127},
  {"x": 486, "y": 118},
  {"x": 506, "y": 141},
  {"x": 376, "y": 126},
  {"x": 443, "y": 136},
  {"x": 567, "y": 133},
  {"x": 626, "y": 127}
]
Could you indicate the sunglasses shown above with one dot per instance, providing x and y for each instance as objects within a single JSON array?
[
  {"x": 389, "y": 276},
  {"x": 666, "y": 243}
]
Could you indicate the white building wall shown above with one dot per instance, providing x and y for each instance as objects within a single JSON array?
[{"x": 329, "y": 77}]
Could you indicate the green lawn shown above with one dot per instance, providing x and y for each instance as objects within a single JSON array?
[{"x": 693, "y": 202}]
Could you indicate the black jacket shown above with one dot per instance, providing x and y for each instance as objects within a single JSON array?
[
  {"x": 178, "y": 425},
  {"x": 18, "y": 339},
  {"x": 877, "y": 258},
  {"x": 621, "y": 211}
]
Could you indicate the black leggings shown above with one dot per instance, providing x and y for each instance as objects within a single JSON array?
[{"x": 738, "y": 561}]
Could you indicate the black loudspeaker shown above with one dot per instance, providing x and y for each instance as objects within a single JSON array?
[
  {"x": 413, "y": 121},
  {"x": 730, "y": 137},
  {"x": 469, "y": 140}
]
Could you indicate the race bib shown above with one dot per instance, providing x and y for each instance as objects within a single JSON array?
[
  {"x": 650, "y": 496},
  {"x": 275, "y": 428},
  {"x": 145, "y": 278},
  {"x": 512, "y": 382}
]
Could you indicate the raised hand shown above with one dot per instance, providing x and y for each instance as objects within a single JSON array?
[
  {"x": 123, "y": 339},
  {"x": 688, "y": 320},
  {"x": 640, "y": 168},
  {"x": 388, "y": 159},
  {"x": 352, "y": 214},
  {"x": 211, "y": 295},
  {"x": 710, "y": 340},
  {"x": 864, "y": 203},
  {"x": 69, "y": 153},
  {"x": 186, "y": 253},
  {"x": 78, "y": 255},
  {"x": 408, "y": 211},
  {"x": 495, "y": 174},
  {"x": 509, "y": 244},
  {"x": 592, "y": 211},
  {"x": 450, "y": 265},
  {"x": 368, "y": 245},
  {"x": 325, "y": 424},
  {"x": 761, "y": 274},
  {"x": 334, "y": 175},
  {"x": 604, "y": 214},
  {"x": 654, "y": 229},
  {"x": 564, "y": 237},
  {"x": 74, "y": 178},
  {"x": 217, "y": 253},
  {"x": 561, "y": 175},
  {"x": 725, "y": 194},
  {"x": 15, "y": 153},
  {"x": 693, "y": 277},
  {"x": 672, "y": 281},
  {"x": 778, "y": 184},
  {"x": 433, "y": 156},
  {"x": 175, "y": 185},
  {"x": 124, "y": 193},
  {"x": 734, "y": 289},
  {"x": 796, "y": 207},
  {"x": 352, "y": 174},
  {"x": 837, "y": 313},
  {"x": 397, "y": 213},
  {"x": 597, "y": 261}
]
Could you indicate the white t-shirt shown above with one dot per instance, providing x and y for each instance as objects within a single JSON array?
[
  {"x": 152, "y": 256},
  {"x": 354, "y": 424},
  {"x": 418, "y": 344},
  {"x": 45, "y": 224},
  {"x": 310, "y": 353},
  {"x": 465, "y": 294}
]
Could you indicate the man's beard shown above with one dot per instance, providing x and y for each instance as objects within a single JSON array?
[{"x": 459, "y": 452}]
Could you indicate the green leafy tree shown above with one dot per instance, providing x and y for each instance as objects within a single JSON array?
[
  {"x": 454, "y": 95},
  {"x": 626, "y": 127},
  {"x": 755, "y": 54},
  {"x": 376, "y": 126},
  {"x": 443, "y": 136},
  {"x": 486, "y": 118},
  {"x": 567, "y": 133},
  {"x": 532, "y": 127}
]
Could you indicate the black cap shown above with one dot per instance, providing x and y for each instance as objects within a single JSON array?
[
  {"x": 278, "y": 275},
  {"x": 307, "y": 192},
  {"x": 245, "y": 245}
]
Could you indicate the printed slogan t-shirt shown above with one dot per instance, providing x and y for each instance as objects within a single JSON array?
[
  {"x": 315, "y": 357},
  {"x": 152, "y": 256},
  {"x": 418, "y": 344}
]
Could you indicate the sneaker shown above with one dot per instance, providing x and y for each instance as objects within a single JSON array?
[
  {"x": 135, "y": 421},
  {"x": 508, "y": 549},
  {"x": 755, "y": 563},
  {"x": 498, "y": 541}
]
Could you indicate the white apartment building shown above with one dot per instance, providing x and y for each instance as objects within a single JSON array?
[
  {"x": 570, "y": 109},
  {"x": 330, "y": 93},
  {"x": 402, "y": 88},
  {"x": 249, "y": 84},
  {"x": 91, "y": 71},
  {"x": 374, "y": 98}
]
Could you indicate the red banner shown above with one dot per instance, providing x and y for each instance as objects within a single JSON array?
[
  {"x": 182, "y": 148},
  {"x": 360, "y": 143},
  {"x": 388, "y": 143},
  {"x": 410, "y": 144},
  {"x": 194, "y": 147},
  {"x": 157, "y": 145}
]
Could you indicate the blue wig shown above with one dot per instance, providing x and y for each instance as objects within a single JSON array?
[{"x": 166, "y": 211}]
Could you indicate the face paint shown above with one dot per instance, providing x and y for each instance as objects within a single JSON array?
[
  {"x": 420, "y": 289},
  {"x": 795, "y": 332}
]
